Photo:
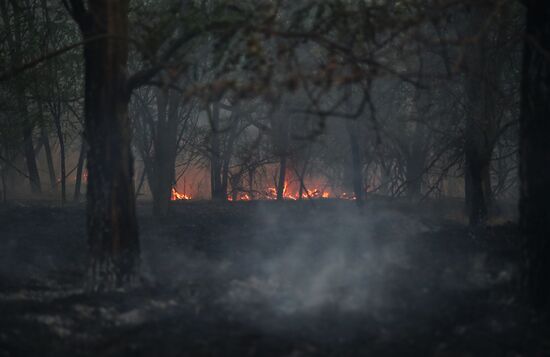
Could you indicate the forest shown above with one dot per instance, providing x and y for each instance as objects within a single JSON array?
[{"x": 275, "y": 178}]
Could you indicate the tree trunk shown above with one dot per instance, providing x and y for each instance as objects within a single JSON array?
[
  {"x": 281, "y": 183},
  {"x": 215, "y": 156},
  {"x": 535, "y": 153},
  {"x": 280, "y": 126},
  {"x": 415, "y": 161},
  {"x": 356, "y": 162},
  {"x": 14, "y": 40},
  {"x": 4, "y": 186},
  {"x": 111, "y": 217},
  {"x": 140, "y": 183},
  {"x": 480, "y": 123},
  {"x": 61, "y": 139},
  {"x": 49, "y": 159},
  {"x": 79, "y": 169},
  {"x": 228, "y": 153},
  {"x": 251, "y": 173},
  {"x": 30, "y": 157},
  {"x": 165, "y": 147}
]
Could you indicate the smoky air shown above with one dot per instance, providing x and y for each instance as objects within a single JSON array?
[{"x": 274, "y": 178}]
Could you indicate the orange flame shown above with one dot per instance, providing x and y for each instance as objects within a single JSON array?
[
  {"x": 271, "y": 194},
  {"x": 315, "y": 193},
  {"x": 241, "y": 196},
  {"x": 176, "y": 196}
]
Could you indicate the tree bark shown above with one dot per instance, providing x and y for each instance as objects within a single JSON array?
[
  {"x": 356, "y": 162},
  {"x": 215, "y": 156},
  {"x": 49, "y": 159},
  {"x": 30, "y": 157},
  {"x": 59, "y": 130},
  {"x": 534, "y": 156},
  {"x": 480, "y": 123},
  {"x": 281, "y": 182},
  {"x": 79, "y": 170},
  {"x": 165, "y": 147},
  {"x": 15, "y": 40},
  {"x": 111, "y": 217}
]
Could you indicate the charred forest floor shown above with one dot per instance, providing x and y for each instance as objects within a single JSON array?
[{"x": 312, "y": 278}]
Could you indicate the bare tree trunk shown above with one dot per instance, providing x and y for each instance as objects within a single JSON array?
[
  {"x": 534, "y": 156},
  {"x": 281, "y": 183},
  {"x": 356, "y": 162},
  {"x": 480, "y": 123},
  {"x": 4, "y": 186},
  {"x": 215, "y": 159},
  {"x": 415, "y": 161},
  {"x": 30, "y": 158},
  {"x": 140, "y": 183},
  {"x": 280, "y": 126},
  {"x": 228, "y": 153},
  {"x": 14, "y": 39},
  {"x": 49, "y": 160},
  {"x": 111, "y": 216},
  {"x": 165, "y": 147},
  {"x": 3, "y": 167},
  {"x": 59, "y": 130},
  {"x": 251, "y": 173},
  {"x": 79, "y": 170}
]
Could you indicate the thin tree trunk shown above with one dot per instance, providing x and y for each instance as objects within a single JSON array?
[
  {"x": 79, "y": 170},
  {"x": 356, "y": 162},
  {"x": 30, "y": 158},
  {"x": 281, "y": 183},
  {"x": 480, "y": 123},
  {"x": 251, "y": 172},
  {"x": 228, "y": 154},
  {"x": 280, "y": 125},
  {"x": 61, "y": 139},
  {"x": 49, "y": 159},
  {"x": 140, "y": 183},
  {"x": 165, "y": 145},
  {"x": 3, "y": 167},
  {"x": 415, "y": 161},
  {"x": 215, "y": 160},
  {"x": 4, "y": 187},
  {"x": 534, "y": 156}
]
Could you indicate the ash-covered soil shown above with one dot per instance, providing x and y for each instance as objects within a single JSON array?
[{"x": 314, "y": 278}]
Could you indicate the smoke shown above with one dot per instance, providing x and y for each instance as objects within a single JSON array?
[{"x": 326, "y": 258}]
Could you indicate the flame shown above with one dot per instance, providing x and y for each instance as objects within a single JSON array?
[
  {"x": 271, "y": 194},
  {"x": 176, "y": 196},
  {"x": 314, "y": 193},
  {"x": 241, "y": 196}
]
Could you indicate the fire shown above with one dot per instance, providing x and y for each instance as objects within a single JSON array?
[
  {"x": 271, "y": 194},
  {"x": 241, "y": 196},
  {"x": 314, "y": 193},
  {"x": 176, "y": 196}
]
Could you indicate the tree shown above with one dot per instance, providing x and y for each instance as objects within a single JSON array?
[
  {"x": 481, "y": 130},
  {"x": 111, "y": 217},
  {"x": 534, "y": 154},
  {"x": 15, "y": 40}
]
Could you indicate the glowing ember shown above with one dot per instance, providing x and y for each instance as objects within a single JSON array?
[
  {"x": 347, "y": 196},
  {"x": 176, "y": 196}
]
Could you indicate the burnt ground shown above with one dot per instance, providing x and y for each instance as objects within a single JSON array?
[{"x": 269, "y": 279}]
